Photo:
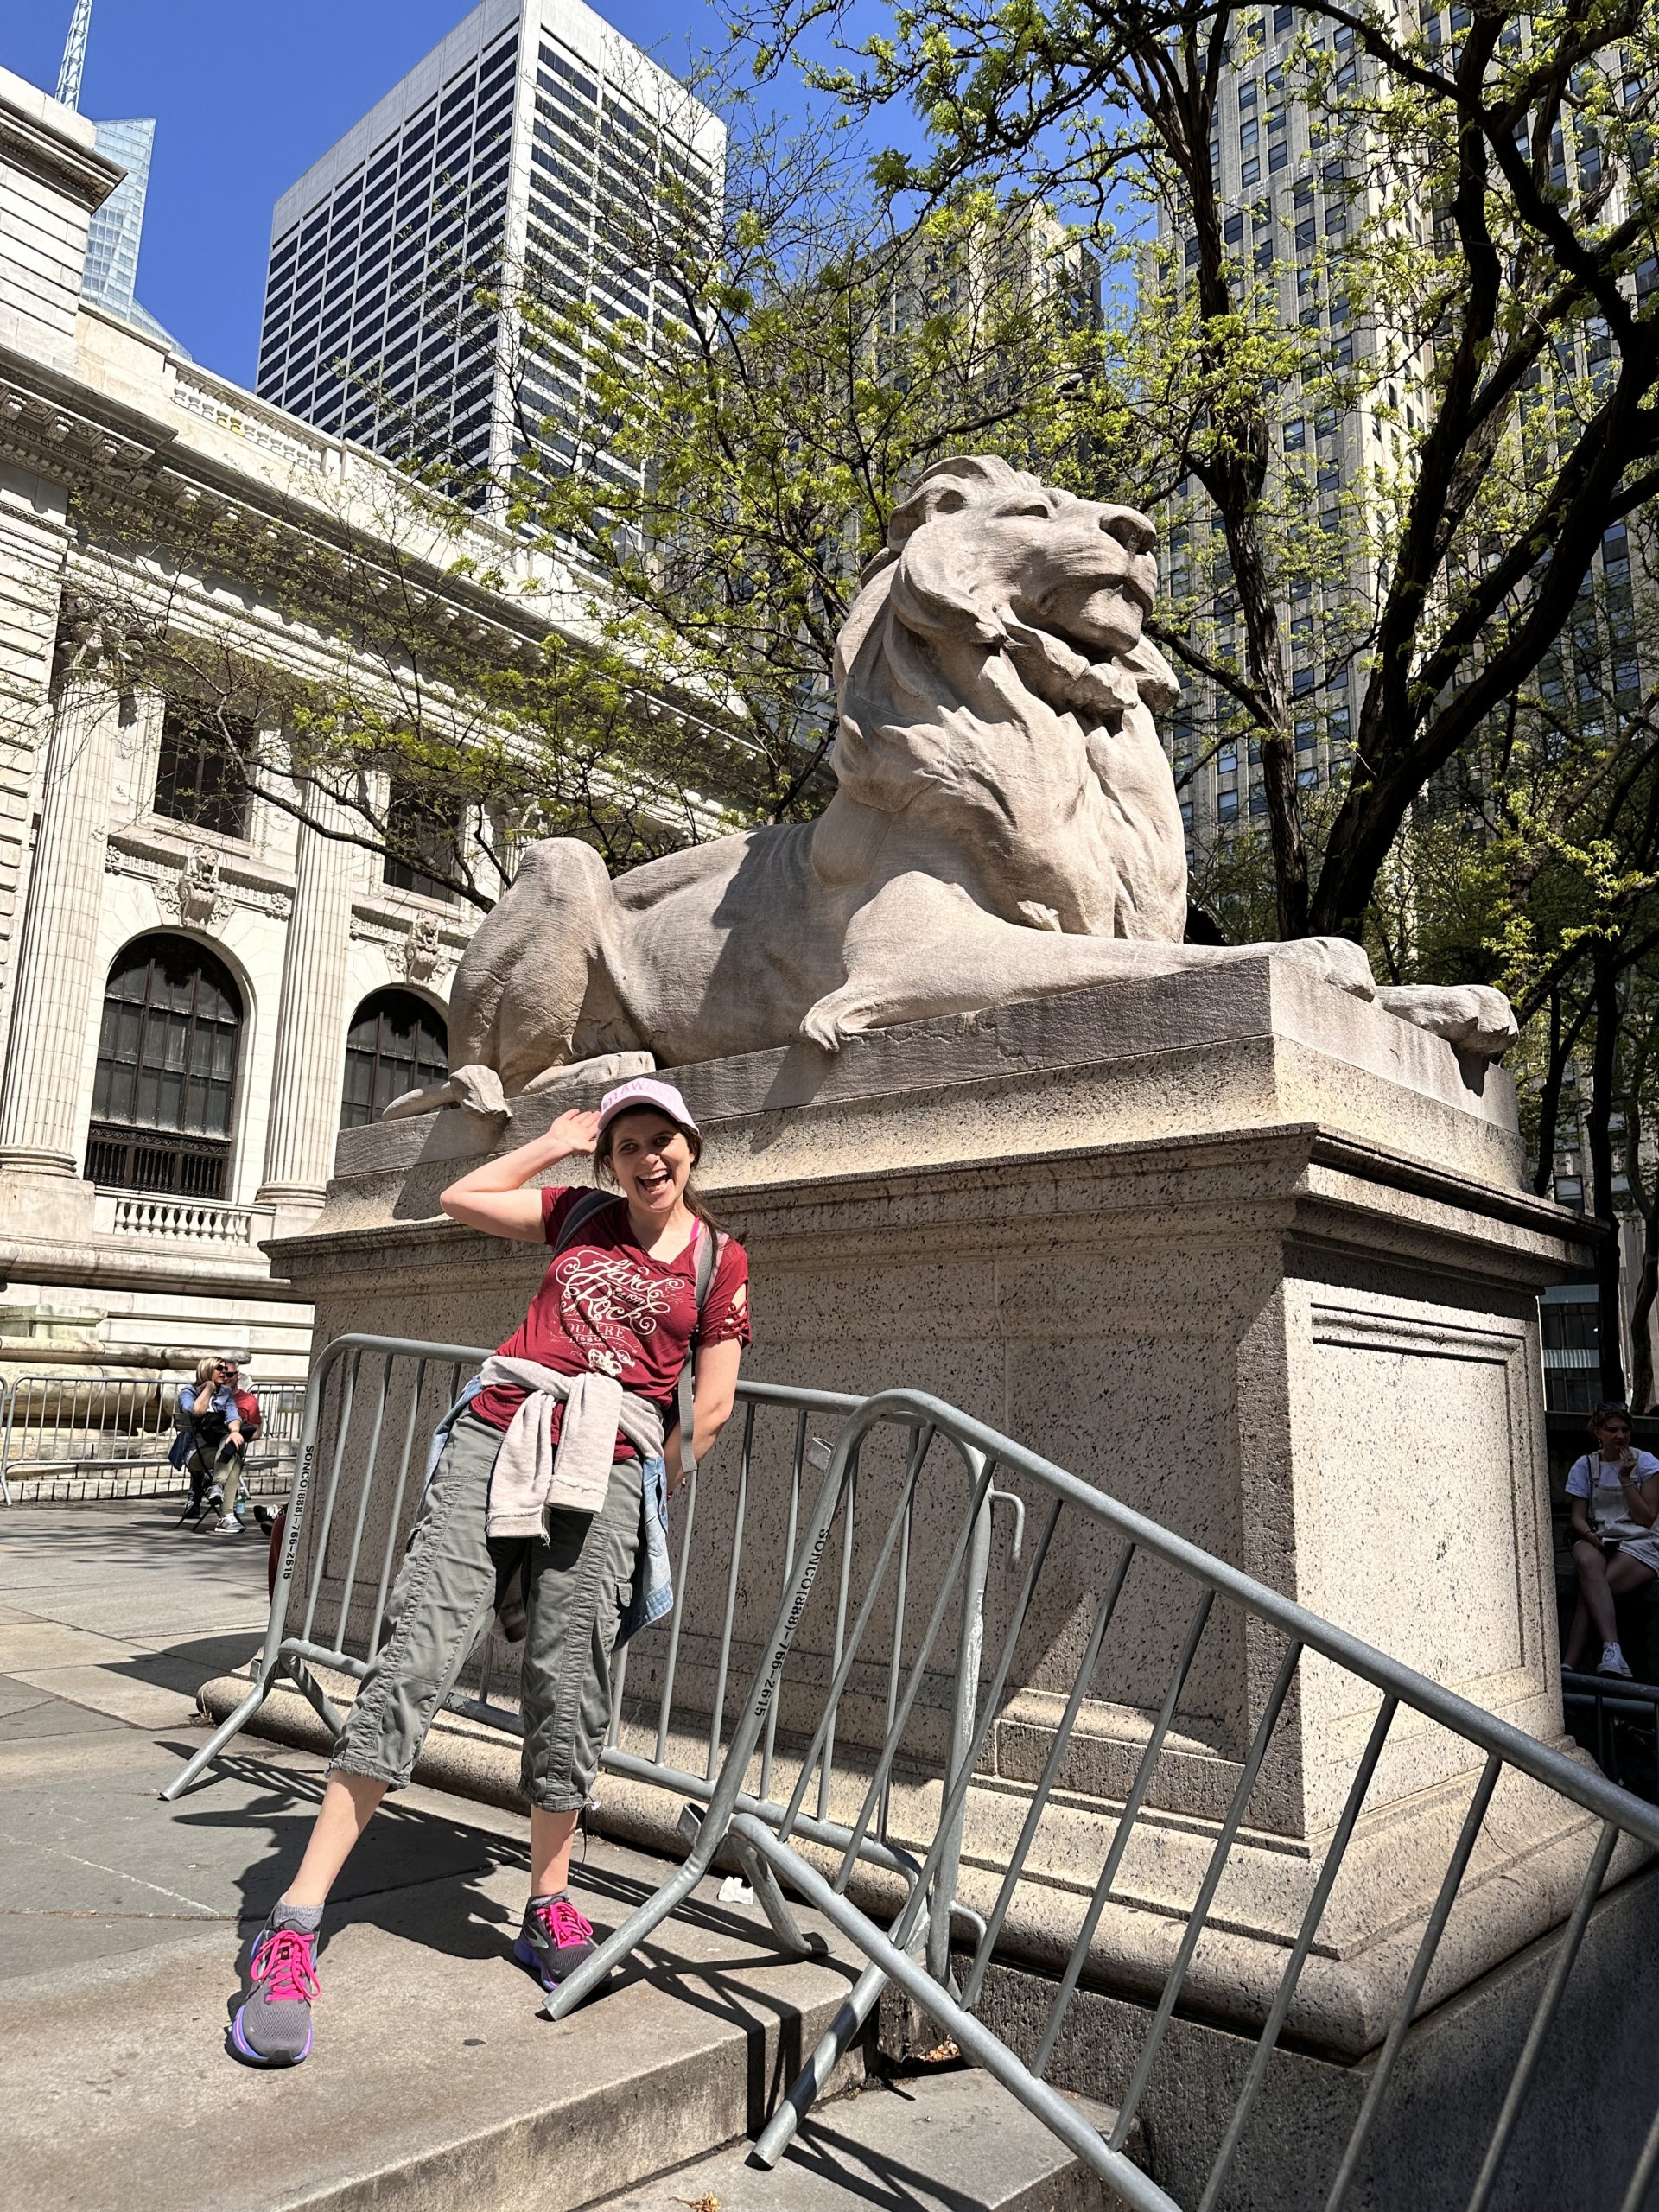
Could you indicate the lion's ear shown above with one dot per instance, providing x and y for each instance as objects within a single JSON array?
[{"x": 934, "y": 589}]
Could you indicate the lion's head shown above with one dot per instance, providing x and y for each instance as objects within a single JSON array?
[{"x": 995, "y": 661}]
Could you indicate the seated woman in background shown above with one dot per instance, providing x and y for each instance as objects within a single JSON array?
[
  {"x": 211, "y": 1441},
  {"x": 1613, "y": 1498}
]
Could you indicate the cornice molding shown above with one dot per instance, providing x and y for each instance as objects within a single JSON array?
[
  {"x": 58, "y": 427},
  {"x": 54, "y": 160},
  {"x": 166, "y": 861}
]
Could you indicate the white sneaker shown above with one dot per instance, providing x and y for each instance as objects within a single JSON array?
[
  {"x": 1613, "y": 1661},
  {"x": 230, "y": 1526}
]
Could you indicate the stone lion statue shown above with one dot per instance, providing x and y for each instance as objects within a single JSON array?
[{"x": 1005, "y": 825}]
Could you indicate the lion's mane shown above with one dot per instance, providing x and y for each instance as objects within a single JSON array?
[{"x": 925, "y": 613}]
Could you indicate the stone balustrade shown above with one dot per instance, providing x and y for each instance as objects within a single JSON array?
[
  {"x": 183, "y": 1221},
  {"x": 200, "y": 393}
]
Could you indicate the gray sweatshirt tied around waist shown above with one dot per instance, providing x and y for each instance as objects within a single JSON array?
[{"x": 530, "y": 1474}]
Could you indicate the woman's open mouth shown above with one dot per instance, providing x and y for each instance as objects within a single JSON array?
[{"x": 654, "y": 1184}]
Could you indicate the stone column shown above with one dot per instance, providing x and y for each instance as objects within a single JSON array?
[
  {"x": 311, "y": 1025},
  {"x": 58, "y": 973},
  {"x": 32, "y": 534}
]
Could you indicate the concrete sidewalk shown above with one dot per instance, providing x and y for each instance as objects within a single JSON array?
[
  {"x": 435, "y": 2082},
  {"x": 110, "y": 1618},
  {"x": 126, "y": 1920}
]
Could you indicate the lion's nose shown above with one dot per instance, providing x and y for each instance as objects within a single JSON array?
[{"x": 1134, "y": 532}]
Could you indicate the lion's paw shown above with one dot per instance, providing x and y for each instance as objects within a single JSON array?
[
  {"x": 830, "y": 1023},
  {"x": 1335, "y": 960},
  {"x": 1471, "y": 1016}
]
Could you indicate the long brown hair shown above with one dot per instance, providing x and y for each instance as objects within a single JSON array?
[{"x": 695, "y": 1201}]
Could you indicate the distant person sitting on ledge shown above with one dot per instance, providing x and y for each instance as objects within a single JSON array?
[{"x": 1613, "y": 1496}]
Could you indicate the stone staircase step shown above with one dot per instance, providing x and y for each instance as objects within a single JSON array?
[
  {"x": 947, "y": 2142},
  {"x": 435, "y": 2082}
]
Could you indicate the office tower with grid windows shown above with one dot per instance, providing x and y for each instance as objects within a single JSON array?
[
  {"x": 1288, "y": 199},
  {"x": 534, "y": 147},
  {"x": 1292, "y": 190}
]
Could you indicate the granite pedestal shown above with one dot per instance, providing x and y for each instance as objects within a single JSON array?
[{"x": 1253, "y": 1256}]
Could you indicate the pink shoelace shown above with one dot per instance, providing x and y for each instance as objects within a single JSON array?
[
  {"x": 564, "y": 1923},
  {"x": 284, "y": 1961}
]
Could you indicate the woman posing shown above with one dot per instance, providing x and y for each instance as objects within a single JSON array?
[
  {"x": 555, "y": 1467},
  {"x": 1613, "y": 1498}
]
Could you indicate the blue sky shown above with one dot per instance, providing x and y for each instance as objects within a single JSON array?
[{"x": 244, "y": 98}]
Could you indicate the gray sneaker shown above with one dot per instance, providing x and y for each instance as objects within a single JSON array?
[
  {"x": 273, "y": 2027},
  {"x": 555, "y": 1939}
]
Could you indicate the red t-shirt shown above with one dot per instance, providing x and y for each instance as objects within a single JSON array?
[{"x": 606, "y": 1306}]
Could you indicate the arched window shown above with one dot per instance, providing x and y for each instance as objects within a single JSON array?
[
  {"x": 167, "y": 1057},
  {"x": 396, "y": 1043}
]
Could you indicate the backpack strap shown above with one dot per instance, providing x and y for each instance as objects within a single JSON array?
[
  {"x": 708, "y": 1258},
  {"x": 590, "y": 1204}
]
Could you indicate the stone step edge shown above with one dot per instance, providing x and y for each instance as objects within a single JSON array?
[
  {"x": 1342, "y": 2009},
  {"x": 707, "y": 2107},
  {"x": 1067, "y": 2184}
]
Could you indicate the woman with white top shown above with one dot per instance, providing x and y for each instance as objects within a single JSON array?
[{"x": 1613, "y": 1498}]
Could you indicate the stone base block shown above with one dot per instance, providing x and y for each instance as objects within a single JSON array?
[
  {"x": 1577, "y": 2138},
  {"x": 1251, "y": 1257}
]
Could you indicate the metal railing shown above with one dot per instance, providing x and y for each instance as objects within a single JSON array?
[
  {"x": 376, "y": 1399},
  {"x": 1070, "y": 1515},
  {"x": 842, "y": 1765},
  {"x": 80, "y": 1435},
  {"x": 1618, "y": 1722}
]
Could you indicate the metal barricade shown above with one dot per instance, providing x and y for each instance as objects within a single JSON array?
[
  {"x": 77, "y": 1436},
  {"x": 1616, "y": 1721},
  {"x": 1070, "y": 1515},
  {"x": 379, "y": 1398},
  {"x": 871, "y": 1676}
]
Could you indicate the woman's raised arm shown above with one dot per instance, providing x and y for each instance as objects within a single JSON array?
[{"x": 493, "y": 1198}]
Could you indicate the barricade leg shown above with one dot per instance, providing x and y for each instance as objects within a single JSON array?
[
  {"x": 773, "y": 1901},
  {"x": 761, "y": 1880},
  {"x": 977, "y": 2042},
  {"x": 216, "y": 1743},
  {"x": 628, "y": 1938},
  {"x": 808, "y": 2085},
  {"x": 312, "y": 1690}
]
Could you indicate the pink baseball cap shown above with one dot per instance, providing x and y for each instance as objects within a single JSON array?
[{"x": 645, "y": 1090}]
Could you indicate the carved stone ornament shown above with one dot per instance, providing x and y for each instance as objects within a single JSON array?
[
  {"x": 197, "y": 896},
  {"x": 422, "y": 956}
]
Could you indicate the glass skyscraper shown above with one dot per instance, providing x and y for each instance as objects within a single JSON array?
[
  {"x": 117, "y": 227},
  {"x": 535, "y": 150}
]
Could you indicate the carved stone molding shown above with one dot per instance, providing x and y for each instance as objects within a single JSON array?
[
  {"x": 197, "y": 895},
  {"x": 199, "y": 887},
  {"x": 416, "y": 946}
]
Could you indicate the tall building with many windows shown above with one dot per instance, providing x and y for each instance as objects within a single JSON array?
[
  {"x": 534, "y": 147},
  {"x": 1295, "y": 187},
  {"x": 1289, "y": 198}
]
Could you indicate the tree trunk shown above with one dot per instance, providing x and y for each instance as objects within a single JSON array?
[
  {"x": 1550, "y": 1103},
  {"x": 1604, "y": 1062},
  {"x": 1641, "y": 1338}
]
